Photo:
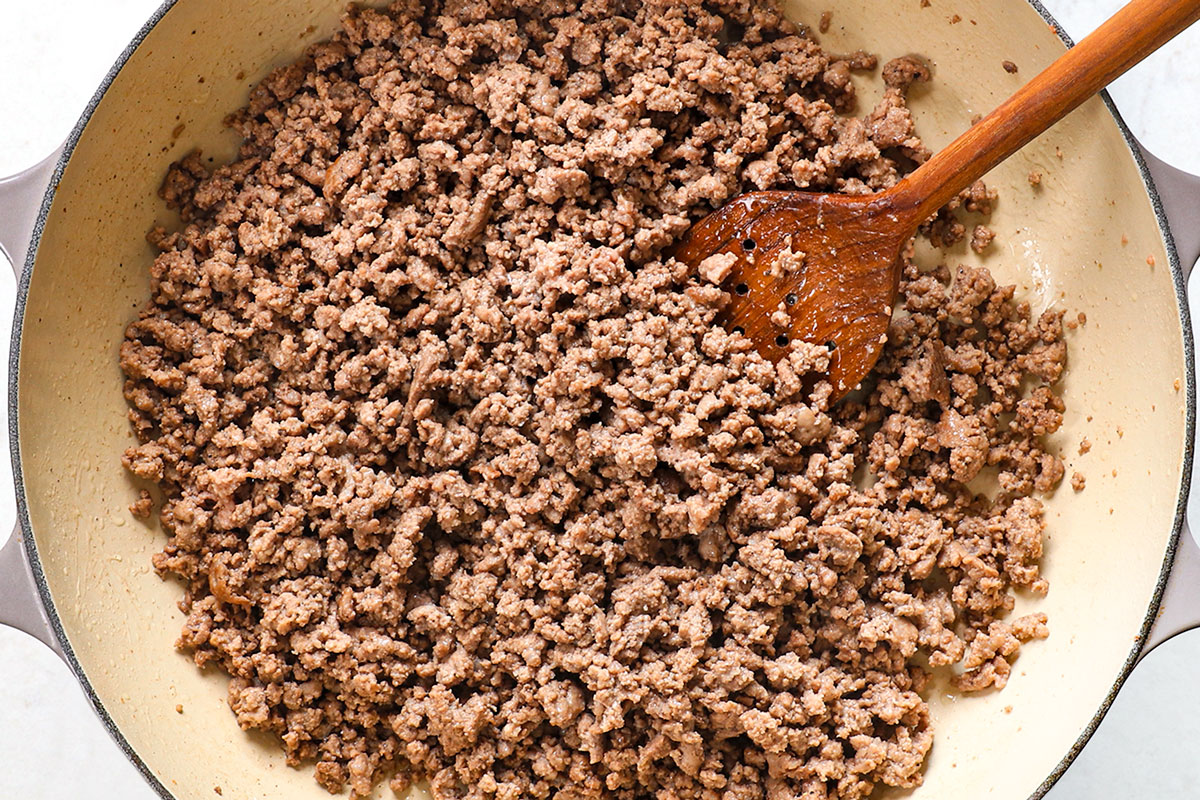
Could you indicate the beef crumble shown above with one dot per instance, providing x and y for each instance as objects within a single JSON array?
[
  {"x": 143, "y": 507},
  {"x": 982, "y": 238},
  {"x": 465, "y": 485}
]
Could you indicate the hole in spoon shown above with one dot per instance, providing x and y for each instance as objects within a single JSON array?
[
  {"x": 790, "y": 299},
  {"x": 832, "y": 345},
  {"x": 742, "y": 289},
  {"x": 739, "y": 330},
  {"x": 749, "y": 244},
  {"x": 782, "y": 340}
]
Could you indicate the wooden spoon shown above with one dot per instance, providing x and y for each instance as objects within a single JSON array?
[{"x": 831, "y": 262}]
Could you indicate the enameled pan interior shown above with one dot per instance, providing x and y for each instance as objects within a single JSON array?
[{"x": 1086, "y": 240}]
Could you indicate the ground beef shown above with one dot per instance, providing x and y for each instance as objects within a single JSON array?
[
  {"x": 143, "y": 507},
  {"x": 981, "y": 238},
  {"x": 902, "y": 72},
  {"x": 466, "y": 486}
]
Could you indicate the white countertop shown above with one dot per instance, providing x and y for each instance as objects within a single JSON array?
[{"x": 52, "y": 57}]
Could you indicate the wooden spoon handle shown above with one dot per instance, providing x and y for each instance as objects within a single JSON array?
[{"x": 1133, "y": 33}]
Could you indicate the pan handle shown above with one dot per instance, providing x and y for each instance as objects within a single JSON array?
[
  {"x": 20, "y": 605},
  {"x": 21, "y": 197},
  {"x": 1179, "y": 612},
  {"x": 1179, "y": 192}
]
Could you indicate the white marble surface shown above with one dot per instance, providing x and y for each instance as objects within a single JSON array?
[{"x": 52, "y": 57}]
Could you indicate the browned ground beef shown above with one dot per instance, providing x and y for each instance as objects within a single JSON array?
[{"x": 464, "y": 483}]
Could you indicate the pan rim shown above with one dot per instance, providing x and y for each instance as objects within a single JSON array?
[
  {"x": 1178, "y": 528},
  {"x": 25, "y": 529}
]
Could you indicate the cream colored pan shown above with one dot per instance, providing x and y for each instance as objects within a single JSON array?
[{"x": 1092, "y": 238}]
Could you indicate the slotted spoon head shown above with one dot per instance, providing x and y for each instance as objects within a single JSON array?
[{"x": 809, "y": 267}]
